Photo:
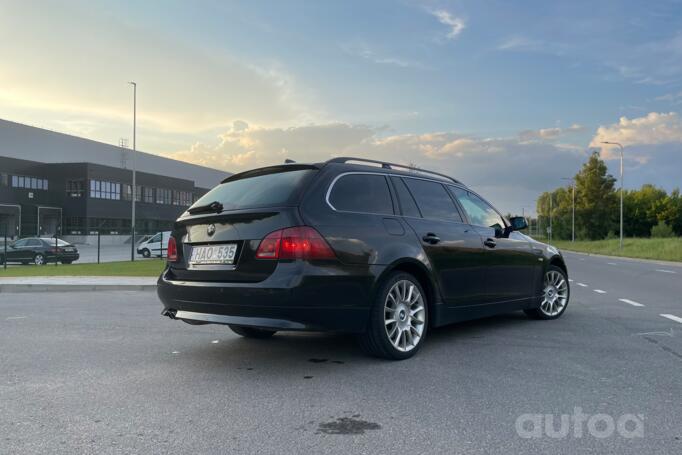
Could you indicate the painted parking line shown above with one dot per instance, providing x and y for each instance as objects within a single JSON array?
[
  {"x": 570, "y": 280},
  {"x": 611, "y": 263},
  {"x": 665, "y": 271},
  {"x": 11, "y": 318},
  {"x": 672, "y": 317},
  {"x": 582, "y": 285},
  {"x": 599, "y": 291},
  {"x": 631, "y": 302}
]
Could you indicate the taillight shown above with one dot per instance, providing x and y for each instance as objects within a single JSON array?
[
  {"x": 300, "y": 242},
  {"x": 172, "y": 250}
]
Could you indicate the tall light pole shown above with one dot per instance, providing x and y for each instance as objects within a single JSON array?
[
  {"x": 573, "y": 209},
  {"x": 621, "y": 188},
  {"x": 134, "y": 187}
]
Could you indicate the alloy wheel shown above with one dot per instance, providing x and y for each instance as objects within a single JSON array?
[
  {"x": 39, "y": 259},
  {"x": 404, "y": 315},
  {"x": 555, "y": 294}
]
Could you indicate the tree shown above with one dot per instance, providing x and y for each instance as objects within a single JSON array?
[
  {"x": 595, "y": 200},
  {"x": 643, "y": 208}
]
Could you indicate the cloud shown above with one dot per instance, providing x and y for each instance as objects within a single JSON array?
[
  {"x": 510, "y": 171},
  {"x": 673, "y": 98},
  {"x": 362, "y": 50},
  {"x": 456, "y": 24},
  {"x": 549, "y": 133},
  {"x": 654, "y": 128}
]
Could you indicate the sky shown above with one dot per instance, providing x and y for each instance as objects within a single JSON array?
[{"x": 509, "y": 97}]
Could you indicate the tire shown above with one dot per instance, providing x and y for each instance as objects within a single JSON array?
[
  {"x": 146, "y": 253},
  {"x": 555, "y": 295},
  {"x": 39, "y": 259},
  {"x": 398, "y": 319},
  {"x": 252, "y": 332}
]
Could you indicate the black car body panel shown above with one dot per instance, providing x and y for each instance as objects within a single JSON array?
[{"x": 470, "y": 271}]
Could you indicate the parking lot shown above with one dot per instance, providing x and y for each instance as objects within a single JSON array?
[{"x": 105, "y": 373}]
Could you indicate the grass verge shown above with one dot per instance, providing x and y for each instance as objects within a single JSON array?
[
  {"x": 669, "y": 249},
  {"x": 151, "y": 267}
]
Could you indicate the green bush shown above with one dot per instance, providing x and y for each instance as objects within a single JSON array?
[{"x": 662, "y": 230}]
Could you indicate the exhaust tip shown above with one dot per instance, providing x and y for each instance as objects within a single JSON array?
[{"x": 169, "y": 312}]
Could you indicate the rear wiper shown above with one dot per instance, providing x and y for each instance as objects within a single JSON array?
[{"x": 214, "y": 206}]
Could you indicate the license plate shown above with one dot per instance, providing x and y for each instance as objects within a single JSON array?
[{"x": 213, "y": 254}]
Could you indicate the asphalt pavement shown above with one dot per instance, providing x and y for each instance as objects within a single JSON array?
[{"x": 105, "y": 373}]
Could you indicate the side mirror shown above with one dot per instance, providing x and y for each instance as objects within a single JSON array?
[{"x": 518, "y": 223}]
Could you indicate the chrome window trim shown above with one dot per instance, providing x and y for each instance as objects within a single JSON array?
[{"x": 386, "y": 175}]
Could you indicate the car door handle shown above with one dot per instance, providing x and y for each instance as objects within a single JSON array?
[
  {"x": 431, "y": 238},
  {"x": 490, "y": 243}
]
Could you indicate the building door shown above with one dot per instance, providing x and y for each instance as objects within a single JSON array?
[
  {"x": 49, "y": 221},
  {"x": 10, "y": 220}
]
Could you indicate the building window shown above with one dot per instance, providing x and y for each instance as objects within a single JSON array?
[
  {"x": 182, "y": 198},
  {"x": 163, "y": 196},
  {"x": 128, "y": 192},
  {"x": 101, "y": 189},
  {"x": 31, "y": 183},
  {"x": 75, "y": 188},
  {"x": 148, "y": 194},
  {"x": 3, "y": 180}
]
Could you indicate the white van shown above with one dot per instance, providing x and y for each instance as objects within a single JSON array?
[{"x": 156, "y": 245}]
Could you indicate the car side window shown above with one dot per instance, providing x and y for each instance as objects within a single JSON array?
[
  {"x": 480, "y": 212},
  {"x": 405, "y": 199},
  {"x": 19, "y": 243},
  {"x": 156, "y": 238},
  {"x": 34, "y": 243},
  {"x": 365, "y": 193},
  {"x": 433, "y": 200}
]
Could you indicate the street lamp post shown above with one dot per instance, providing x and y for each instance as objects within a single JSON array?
[
  {"x": 621, "y": 188},
  {"x": 573, "y": 206},
  {"x": 134, "y": 186}
]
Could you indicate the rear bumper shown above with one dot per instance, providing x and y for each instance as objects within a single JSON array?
[{"x": 297, "y": 296}]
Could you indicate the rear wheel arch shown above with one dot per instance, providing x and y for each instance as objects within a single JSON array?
[{"x": 421, "y": 273}]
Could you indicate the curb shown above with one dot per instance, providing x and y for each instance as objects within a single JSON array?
[
  {"x": 624, "y": 258},
  {"x": 17, "y": 288}
]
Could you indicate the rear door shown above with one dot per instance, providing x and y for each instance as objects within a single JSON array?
[
  {"x": 510, "y": 261},
  {"x": 454, "y": 249},
  {"x": 154, "y": 245}
]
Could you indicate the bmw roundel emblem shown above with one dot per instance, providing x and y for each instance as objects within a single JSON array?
[{"x": 210, "y": 230}]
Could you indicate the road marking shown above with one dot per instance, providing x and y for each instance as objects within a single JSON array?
[
  {"x": 672, "y": 317},
  {"x": 570, "y": 280},
  {"x": 665, "y": 271},
  {"x": 15, "y": 317},
  {"x": 599, "y": 291},
  {"x": 175, "y": 352},
  {"x": 611, "y": 263},
  {"x": 631, "y": 302},
  {"x": 214, "y": 341},
  {"x": 582, "y": 285}
]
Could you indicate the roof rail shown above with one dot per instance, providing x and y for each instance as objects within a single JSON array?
[{"x": 386, "y": 165}]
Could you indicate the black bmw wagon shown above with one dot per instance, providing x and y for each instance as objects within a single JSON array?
[{"x": 378, "y": 249}]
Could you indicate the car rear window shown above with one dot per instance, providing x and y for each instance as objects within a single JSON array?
[
  {"x": 433, "y": 200},
  {"x": 365, "y": 193},
  {"x": 267, "y": 190}
]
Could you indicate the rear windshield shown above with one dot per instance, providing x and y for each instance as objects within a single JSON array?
[{"x": 269, "y": 190}]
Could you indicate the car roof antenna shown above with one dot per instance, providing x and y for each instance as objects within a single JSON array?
[{"x": 288, "y": 161}]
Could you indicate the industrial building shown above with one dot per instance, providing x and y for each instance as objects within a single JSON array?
[{"x": 53, "y": 183}]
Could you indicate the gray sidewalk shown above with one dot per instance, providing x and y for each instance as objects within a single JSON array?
[{"x": 74, "y": 283}]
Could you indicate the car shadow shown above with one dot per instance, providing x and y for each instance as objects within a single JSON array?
[{"x": 302, "y": 352}]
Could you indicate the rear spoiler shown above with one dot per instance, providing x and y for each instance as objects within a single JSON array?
[{"x": 270, "y": 170}]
